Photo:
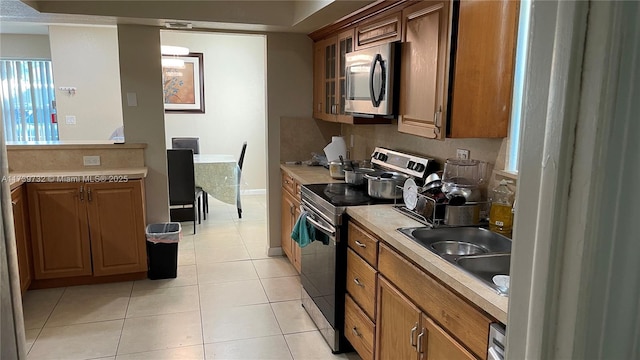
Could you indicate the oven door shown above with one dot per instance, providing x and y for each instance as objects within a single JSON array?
[{"x": 320, "y": 269}]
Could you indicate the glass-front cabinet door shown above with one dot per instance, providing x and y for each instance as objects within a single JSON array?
[{"x": 345, "y": 45}]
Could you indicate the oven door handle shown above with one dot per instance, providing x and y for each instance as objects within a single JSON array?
[{"x": 315, "y": 223}]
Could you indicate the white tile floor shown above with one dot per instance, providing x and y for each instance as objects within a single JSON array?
[{"x": 229, "y": 301}]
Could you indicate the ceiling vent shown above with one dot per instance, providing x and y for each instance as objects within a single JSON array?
[{"x": 178, "y": 25}]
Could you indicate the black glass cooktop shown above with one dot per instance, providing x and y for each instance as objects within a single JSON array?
[{"x": 342, "y": 194}]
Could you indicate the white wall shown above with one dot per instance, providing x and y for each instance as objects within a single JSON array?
[
  {"x": 86, "y": 57},
  {"x": 235, "y": 99},
  {"x": 21, "y": 46}
]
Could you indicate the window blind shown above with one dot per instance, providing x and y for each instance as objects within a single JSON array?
[{"x": 28, "y": 100}]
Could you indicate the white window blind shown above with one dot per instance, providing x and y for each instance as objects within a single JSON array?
[{"x": 28, "y": 100}]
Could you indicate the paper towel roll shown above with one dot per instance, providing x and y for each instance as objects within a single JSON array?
[{"x": 336, "y": 148}]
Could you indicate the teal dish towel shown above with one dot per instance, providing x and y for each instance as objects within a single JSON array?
[{"x": 303, "y": 233}]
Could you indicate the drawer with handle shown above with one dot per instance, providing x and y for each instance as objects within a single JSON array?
[
  {"x": 289, "y": 184},
  {"x": 358, "y": 329},
  {"x": 363, "y": 243},
  {"x": 361, "y": 283}
]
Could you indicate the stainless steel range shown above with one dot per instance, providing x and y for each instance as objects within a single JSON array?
[{"x": 323, "y": 274}]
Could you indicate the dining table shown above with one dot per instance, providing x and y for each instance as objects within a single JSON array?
[{"x": 218, "y": 175}]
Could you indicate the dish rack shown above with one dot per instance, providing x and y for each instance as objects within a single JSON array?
[{"x": 431, "y": 213}]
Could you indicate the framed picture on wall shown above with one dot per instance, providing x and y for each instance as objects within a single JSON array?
[{"x": 183, "y": 81}]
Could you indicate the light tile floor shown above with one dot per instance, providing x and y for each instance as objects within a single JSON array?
[{"x": 229, "y": 301}]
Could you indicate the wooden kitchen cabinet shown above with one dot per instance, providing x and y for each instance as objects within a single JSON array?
[
  {"x": 405, "y": 332},
  {"x": 22, "y": 234},
  {"x": 484, "y": 68},
  {"x": 462, "y": 320},
  {"x": 398, "y": 323},
  {"x": 437, "y": 344},
  {"x": 290, "y": 211},
  {"x": 59, "y": 230},
  {"x": 361, "y": 279},
  {"x": 379, "y": 30},
  {"x": 83, "y": 229},
  {"x": 117, "y": 228},
  {"x": 424, "y": 69},
  {"x": 329, "y": 74}
]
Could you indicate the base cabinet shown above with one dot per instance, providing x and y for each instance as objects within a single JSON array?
[
  {"x": 290, "y": 211},
  {"x": 22, "y": 234},
  {"x": 81, "y": 229},
  {"x": 405, "y": 332}
]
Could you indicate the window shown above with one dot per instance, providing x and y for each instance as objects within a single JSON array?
[
  {"x": 28, "y": 101},
  {"x": 518, "y": 86}
]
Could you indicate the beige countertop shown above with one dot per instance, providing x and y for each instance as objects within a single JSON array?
[
  {"x": 383, "y": 220},
  {"x": 71, "y": 145},
  {"x": 309, "y": 174},
  {"x": 15, "y": 179}
]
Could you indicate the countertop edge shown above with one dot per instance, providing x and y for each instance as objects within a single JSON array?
[
  {"x": 72, "y": 146},
  {"x": 305, "y": 174},
  {"x": 467, "y": 286},
  {"x": 16, "y": 179}
]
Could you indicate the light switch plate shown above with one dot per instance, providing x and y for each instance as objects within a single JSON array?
[{"x": 91, "y": 160}]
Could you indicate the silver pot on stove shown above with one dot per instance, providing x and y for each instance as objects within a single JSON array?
[{"x": 385, "y": 185}]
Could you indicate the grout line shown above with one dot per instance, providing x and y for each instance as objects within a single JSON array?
[{"x": 133, "y": 283}]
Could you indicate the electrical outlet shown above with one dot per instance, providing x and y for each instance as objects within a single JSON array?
[
  {"x": 91, "y": 160},
  {"x": 462, "y": 154},
  {"x": 70, "y": 120}
]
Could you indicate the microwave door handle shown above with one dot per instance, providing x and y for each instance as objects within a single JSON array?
[{"x": 377, "y": 100}]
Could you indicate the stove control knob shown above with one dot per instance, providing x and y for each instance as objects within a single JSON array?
[
  {"x": 375, "y": 155},
  {"x": 411, "y": 165},
  {"x": 419, "y": 167},
  {"x": 382, "y": 157}
]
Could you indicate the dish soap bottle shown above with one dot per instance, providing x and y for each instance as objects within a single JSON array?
[{"x": 500, "y": 216}]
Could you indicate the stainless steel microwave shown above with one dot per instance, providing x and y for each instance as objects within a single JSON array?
[{"x": 369, "y": 77}]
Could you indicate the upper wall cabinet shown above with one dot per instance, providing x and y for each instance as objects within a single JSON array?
[
  {"x": 329, "y": 80},
  {"x": 424, "y": 68},
  {"x": 379, "y": 30},
  {"x": 483, "y": 68},
  {"x": 457, "y": 64}
]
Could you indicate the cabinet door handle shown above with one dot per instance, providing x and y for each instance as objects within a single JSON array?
[
  {"x": 420, "y": 341},
  {"x": 89, "y": 193},
  {"x": 437, "y": 121},
  {"x": 355, "y": 332},
  {"x": 13, "y": 203},
  {"x": 361, "y": 244},
  {"x": 81, "y": 193},
  {"x": 357, "y": 281},
  {"x": 413, "y": 335}
]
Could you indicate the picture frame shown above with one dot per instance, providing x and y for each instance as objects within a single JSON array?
[{"x": 183, "y": 86}]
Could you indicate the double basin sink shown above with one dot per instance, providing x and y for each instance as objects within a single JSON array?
[{"x": 478, "y": 251}]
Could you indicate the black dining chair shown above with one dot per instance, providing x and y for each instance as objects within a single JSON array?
[
  {"x": 240, "y": 162},
  {"x": 182, "y": 187},
  {"x": 192, "y": 143}
]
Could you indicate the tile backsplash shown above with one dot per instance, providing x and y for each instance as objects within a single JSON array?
[{"x": 367, "y": 137}]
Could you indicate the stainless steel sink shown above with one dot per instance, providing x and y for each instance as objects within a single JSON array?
[{"x": 478, "y": 251}]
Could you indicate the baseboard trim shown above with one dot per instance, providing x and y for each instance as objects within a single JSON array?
[
  {"x": 275, "y": 251},
  {"x": 253, "y": 192}
]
